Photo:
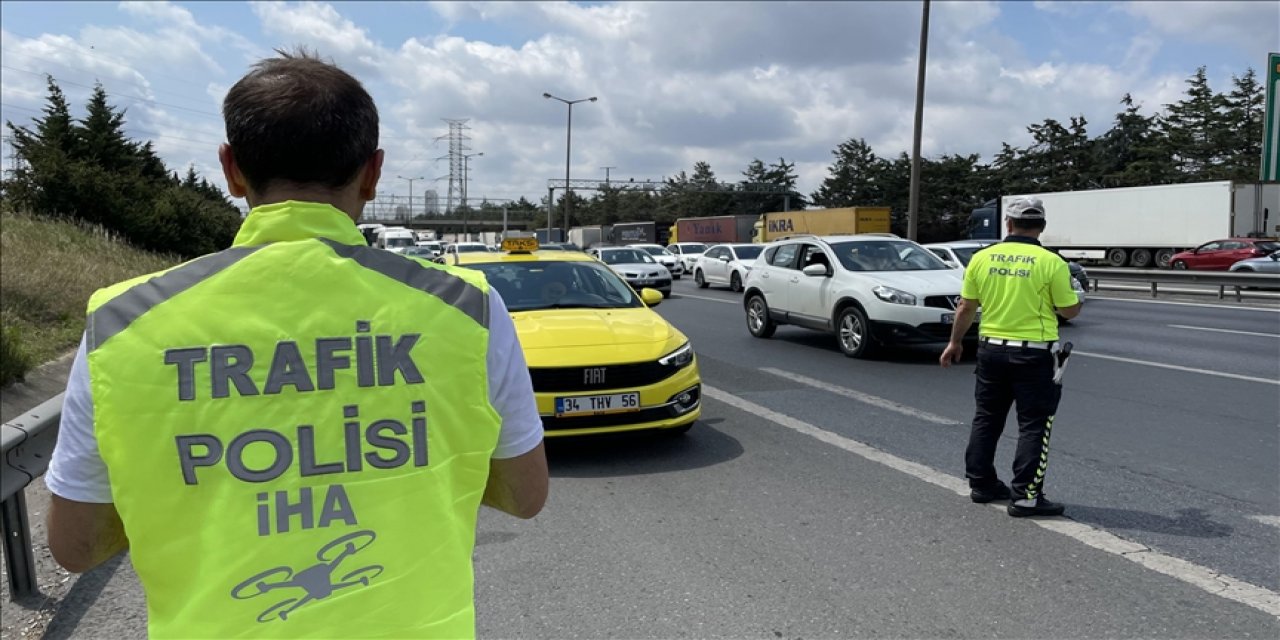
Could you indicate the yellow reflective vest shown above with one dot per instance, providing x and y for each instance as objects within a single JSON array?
[{"x": 285, "y": 457}]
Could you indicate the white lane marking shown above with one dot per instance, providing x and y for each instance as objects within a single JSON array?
[
  {"x": 1094, "y": 296},
  {"x": 1243, "y": 333},
  {"x": 1211, "y": 581},
  {"x": 686, "y": 295},
  {"x": 875, "y": 401},
  {"x": 1162, "y": 365},
  {"x": 1269, "y": 520}
]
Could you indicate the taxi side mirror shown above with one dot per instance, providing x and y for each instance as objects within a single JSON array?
[{"x": 651, "y": 297}]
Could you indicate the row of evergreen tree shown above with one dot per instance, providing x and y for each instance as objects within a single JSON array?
[
  {"x": 88, "y": 169},
  {"x": 1206, "y": 135}
]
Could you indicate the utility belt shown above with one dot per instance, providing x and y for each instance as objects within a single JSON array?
[
  {"x": 1060, "y": 351},
  {"x": 1025, "y": 344}
]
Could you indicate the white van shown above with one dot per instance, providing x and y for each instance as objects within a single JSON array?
[{"x": 395, "y": 239}]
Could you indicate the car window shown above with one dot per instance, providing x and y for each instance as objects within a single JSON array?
[
  {"x": 626, "y": 256},
  {"x": 1267, "y": 246},
  {"x": 941, "y": 254},
  {"x": 813, "y": 254},
  {"x": 1238, "y": 245},
  {"x": 965, "y": 254},
  {"x": 693, "y": 247},
  {"x": 1212, "y": 246},
  {"x": 654, "y": 250},
  {"x": 716, "y": 253},
  {"x": 528, "y": 286},
  {"x": 747, "y": 253},
  {"x": 786, "y": 256},
  {"x": 768, "y": 254},
  {"x": 886, "y": 255}
]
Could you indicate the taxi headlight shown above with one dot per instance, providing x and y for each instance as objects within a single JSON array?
[
  {"x": 678, "y": 358},
  {"x": 896, "y": 296}
]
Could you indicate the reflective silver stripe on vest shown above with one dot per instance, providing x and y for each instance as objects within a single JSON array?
[
  {"x": 449, "y": 288},
  {"x": 119, "y": 312}
]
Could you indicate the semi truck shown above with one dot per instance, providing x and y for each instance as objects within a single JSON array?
[
  {"x": 821, "y": 222},
  {"x": 635, "y": 233},
  {"x": 1143, "y": 226},
  {"x": 714, "y": 229},
  {"x": 587, "y": 237},
  {"x": 545, "y": 235}
]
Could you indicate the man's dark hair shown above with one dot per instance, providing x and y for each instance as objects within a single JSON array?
[
  {"x": 299, "y": 119},
  {"x": 1024, "y": 224}
]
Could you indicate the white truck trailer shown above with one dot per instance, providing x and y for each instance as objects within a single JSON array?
[{"x": 1144, "y": 226}]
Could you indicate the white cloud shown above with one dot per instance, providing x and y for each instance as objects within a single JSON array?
[
  {"x": 678, "y": 82},
  {"x": 1251, "y": 27}
]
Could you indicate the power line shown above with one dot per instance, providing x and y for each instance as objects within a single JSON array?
[
  {"x": 135, "y": 84},
  {"x": 115, "y": 95},
  {"x": 129, "y": 129}
]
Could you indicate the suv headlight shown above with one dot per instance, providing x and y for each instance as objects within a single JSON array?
[
  {"x": 678, "y": 358},
  {"x": 896, "y": 296}
]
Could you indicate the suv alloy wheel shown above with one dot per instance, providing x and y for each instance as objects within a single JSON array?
[
  {"x": 853, "y": 333},
  {"x": 758, "y": 321}
]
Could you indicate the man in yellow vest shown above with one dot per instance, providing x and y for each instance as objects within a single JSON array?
[
  {"x": 1022, "y": 288},
  {"x": 293, "y": 436}
]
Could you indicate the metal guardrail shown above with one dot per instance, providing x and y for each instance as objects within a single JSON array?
[
  {"x": 26, "y": 444},
  {"x": 1155, "y": 277}
]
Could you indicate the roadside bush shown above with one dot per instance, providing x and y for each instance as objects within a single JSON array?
[{"x": 14, "y": 361}]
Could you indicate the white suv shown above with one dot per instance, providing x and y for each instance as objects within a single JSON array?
[{"x": 867, "y": 289}]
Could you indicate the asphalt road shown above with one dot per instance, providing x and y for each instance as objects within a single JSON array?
[{"x": 751, "y": 526}]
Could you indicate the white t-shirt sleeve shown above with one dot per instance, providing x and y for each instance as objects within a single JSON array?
[
  {"x": 76, "y": 470},
  {"x": 510, "y": 388}
]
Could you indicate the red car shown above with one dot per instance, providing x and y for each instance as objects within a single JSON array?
[{"x": 1219, "y": 255}]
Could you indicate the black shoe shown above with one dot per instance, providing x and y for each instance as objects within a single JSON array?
[
  {"x": 1043, "y": 507},
  {"x": 997, "y": 492}
]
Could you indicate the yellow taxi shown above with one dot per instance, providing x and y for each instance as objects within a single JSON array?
[{"x": 600, "y": 359}]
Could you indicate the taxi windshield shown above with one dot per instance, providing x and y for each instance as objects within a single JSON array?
[
  {"x": 886, "y": 255},
  {"x": 625, "y": 256},
  {"x": 530, "y": 286}
]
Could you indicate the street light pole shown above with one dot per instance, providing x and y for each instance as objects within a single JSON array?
[
  {"x": 913, "y": 199},
  {"x": 568, "y": 145},
  {"x": 466, "y": 164},
  {"x": 411, "y": 192}
]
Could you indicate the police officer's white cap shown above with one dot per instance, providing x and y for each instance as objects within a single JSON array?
[{"x": 1025, "y": 209}]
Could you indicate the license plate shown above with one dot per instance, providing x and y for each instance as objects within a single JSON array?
[
  {"x": 596, "y": 405},
  {"x": 950, "y": 318}
]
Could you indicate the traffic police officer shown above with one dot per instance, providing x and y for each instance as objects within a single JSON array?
[
  {"x": 262, "y": 427},
  {"x": 1021, "y": 287}
]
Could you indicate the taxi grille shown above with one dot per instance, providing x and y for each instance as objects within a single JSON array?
[{"x": 615, "y": 376}]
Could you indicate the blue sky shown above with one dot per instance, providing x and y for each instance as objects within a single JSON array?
[{"x": 678, "y": 82}]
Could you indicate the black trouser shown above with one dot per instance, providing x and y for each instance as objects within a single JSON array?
[{"x": 1005, "y": 375}]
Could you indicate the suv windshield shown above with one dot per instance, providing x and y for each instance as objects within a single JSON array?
[
  {"x": 886, "y": 255},
  {"x": 625, "y": 256},
  {"x": 748, "y": 252},
  {"x": 528, "y": 286},
  {"x": 965, "y": 254}
]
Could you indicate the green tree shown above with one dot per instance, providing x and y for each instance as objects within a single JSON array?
[
  {"x": 102, "y": 138},
  {"x": 1194, "y": 127},
  {"x": 853, "y": 179},
  {"x": 1133, "y": 152},
  {"x": 1243, "y": 112}
]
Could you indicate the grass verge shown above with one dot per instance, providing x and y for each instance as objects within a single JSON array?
[{"x": 48, "y": 269}]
